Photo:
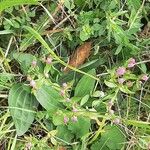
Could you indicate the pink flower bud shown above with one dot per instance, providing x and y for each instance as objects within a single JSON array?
[
  {"x": 74, "y": 109},
  {"x": 131, "y": 63},
  {"x": 121, "y": 80},
  {"x": 144, "y": 77},
  {"x": 33, "y": 83},
  {"x": 62, "y": 93},
  {"x": 116, "y": 121},
  {"x": 34, "y": 63},
  {"x": 74, "y": 119},
  {"x": 49, "y": 60},
  {"x": 121, "y": 71},
  {"x": 66, "y": 119}
]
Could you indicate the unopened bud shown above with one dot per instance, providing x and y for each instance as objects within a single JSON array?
[
  {"x": 34, "y": 63},
  {"x": 49, "y": 60},
  {"x": 33, "y": 83},
  {"x": 74, "y": 119}
]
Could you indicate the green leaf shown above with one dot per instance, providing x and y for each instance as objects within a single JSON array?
[
  {"x": 81, "y": 127},
  {"x": 125, "y": 89},
  {"x": 22, "y": 105},
  {"x": 113, "y": 137},
  {"x": 110, "y": 84},
  {"x": 134, "y": 4},
  {"x": 64, "y": 133},
  {"x": 84, "y": 36},
  {"x": 25, "y": 60},
  {"x": 6, "y": 32},
  {"x": 98, "y": 94},
  {"x": 49, "y": 98},
  {"x": 143, "y": 68},
  {"x": 84, "y": 100},
  {"x": 140, "y": 124},
  {"x": 118, "y": 50},
  {"x": 99, "y": 145},
  {"x": 9, "y": 3},
  {"x": 69, "y": 4},
  {"x": 85, "y": 85}
]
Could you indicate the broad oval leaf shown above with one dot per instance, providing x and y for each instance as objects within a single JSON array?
[
  {"x": 86, "y": 85},
  {"x": 49, "y": 98},
  {"x": 22, "y": 105}
]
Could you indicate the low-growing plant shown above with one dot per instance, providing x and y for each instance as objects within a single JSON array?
[{"x": 74, "y": 75}]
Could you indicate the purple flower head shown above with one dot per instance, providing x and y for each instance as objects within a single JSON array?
[
  {"x": 131, "y": 63},
  {"x": 66, "y": 119},
  {"x": 33, "y": 83},
  {"x": 34, "y": 63},
  {"x": 74, "y": 119},
  {"x": 121, "y": 71},
  {"x": 49, "y": 60},
  {"x": 121, "y": 80},
  {"x": 144, "y": 77}
]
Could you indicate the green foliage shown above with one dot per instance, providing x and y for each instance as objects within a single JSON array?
[
  {"x": 64, "y": 133},
  {"x": 103, "y": 104},
  {"x": 113, "y": 138},
  {"x": 80, "y": 128},
  {"x": 9, "y": 3},
  {"x": 24, "y": 60},
  {"x": 88, "y": 83},
  {"x": 22, "y": 107},
  {"x": 49, "y": 98}
]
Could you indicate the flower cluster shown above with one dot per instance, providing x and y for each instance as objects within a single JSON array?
[
  {"x": 121, "y": 71},
  {"x": 73, "y": 119}
]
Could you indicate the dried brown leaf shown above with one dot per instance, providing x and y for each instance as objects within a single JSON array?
[{"x": 79, "y": 56}]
